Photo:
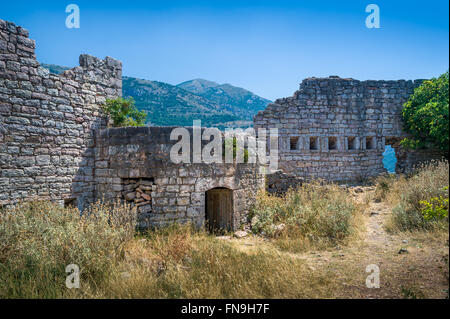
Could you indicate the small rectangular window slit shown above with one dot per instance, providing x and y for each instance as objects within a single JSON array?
[
  {"x": 370, "y": 143},
  {"x": 351, "y": 143},
  {"x": 294, "y": 143},
  {"x": 313, "y": 143},
  {"x": 332, "y": 143}
]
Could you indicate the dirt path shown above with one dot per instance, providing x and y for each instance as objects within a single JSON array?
[{"x": 410, "y": 265}]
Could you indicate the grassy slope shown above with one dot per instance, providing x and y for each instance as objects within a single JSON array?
[{"x": 178, "y": 262}]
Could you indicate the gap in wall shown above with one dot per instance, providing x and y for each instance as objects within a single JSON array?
[{"x": 389, "y": 159}]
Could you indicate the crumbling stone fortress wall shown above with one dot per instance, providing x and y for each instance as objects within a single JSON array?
[
  {"x": 336, "y": 129},
  {"x": 54, "y": 145},
  {"x": 134, "y": 164},
  {"x": 47, "y": 121}
]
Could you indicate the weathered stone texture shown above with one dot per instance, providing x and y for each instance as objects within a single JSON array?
[
  {"x": 279, "y": 182},
  {"x": 54, "y": 144},
  {"x": 47, "y": 121},
  {"x": 336, "y": 129},
  {"x": 177, "y": 190}
]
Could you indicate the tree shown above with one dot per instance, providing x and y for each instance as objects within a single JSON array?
[
  {"x": 425, "y": 115},
  {"x": 123, "y": 112}
]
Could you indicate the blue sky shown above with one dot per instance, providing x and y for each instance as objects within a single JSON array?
[{"x": 267, "y": 47}]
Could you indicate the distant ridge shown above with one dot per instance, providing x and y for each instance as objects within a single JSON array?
[
  {"x": 239, "y": 101},
  {"x": 217, "y": 105}
]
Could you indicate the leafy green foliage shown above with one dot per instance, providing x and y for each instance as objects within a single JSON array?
[
  {"x": 436, "y": 208},
  {"x": 123, "y": 112},
  {"x": 420, "y": 201},
  {"x": 425, "y": 115},
  {"x": 234, "y": 149}
]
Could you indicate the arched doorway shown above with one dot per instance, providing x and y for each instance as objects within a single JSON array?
[{"x": 219, "y": 209}]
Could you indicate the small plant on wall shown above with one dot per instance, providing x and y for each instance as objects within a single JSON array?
[{"x": 123, "y": 112}]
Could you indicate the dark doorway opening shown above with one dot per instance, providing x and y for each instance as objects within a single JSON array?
[
  {"x": 351, "y": 143},
  {"x": 294, "y": 143},
  {"x": 332, "y": 143},
  {"x": 70, "y": 203},
  {"x": 219, "y": 209}
]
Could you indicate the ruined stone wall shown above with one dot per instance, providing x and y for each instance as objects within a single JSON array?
[
  {"x": 54, "y": 144},
  {"x": 47, "y": 122},
  {"x": 337, "y": 129},
  {"x": 134, "y": 164},
  {"x": 279, "y": 182}
]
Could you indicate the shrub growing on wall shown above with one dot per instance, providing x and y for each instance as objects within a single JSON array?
[
  {"x": 425, "y": 115},
  {"x": 123, "y": 112}
]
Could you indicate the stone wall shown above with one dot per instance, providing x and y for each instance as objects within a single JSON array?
[
  {"x": 279, "y": 182},
  {"x": 336, "y": 129},
  {"x": 132, "y": 156},
  {"x": 47, "y": 122},
  {"x": 54, "y": 144},
  {"x": 408, "y": 161}
]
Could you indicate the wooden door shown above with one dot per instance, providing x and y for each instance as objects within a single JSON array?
[{"x": 219, "y": 209}]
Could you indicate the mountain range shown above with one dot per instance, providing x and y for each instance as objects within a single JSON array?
[{"x": 216, "y": 105}]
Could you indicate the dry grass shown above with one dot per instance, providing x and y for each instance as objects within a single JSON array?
[
  {"x": 207, "y": 267},
  {"x": 39, "y": 239},
  {"x": 404, "y": 194},
  {"x": 315, "y": 217}
]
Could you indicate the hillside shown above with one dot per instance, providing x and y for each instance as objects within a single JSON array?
[
  {"x": 218, "y": 105},
  {"x": 241, "y": 102},
  {"x": 55, "y": 69},
  {"x": 170, "y": 105}
]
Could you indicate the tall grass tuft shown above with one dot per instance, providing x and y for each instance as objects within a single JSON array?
[
  {"x": 312, "y": 216},
  {"x": 180, "y": 262},
  {"x": 407, "y": 195},
  {"x": 39, "y": 239}
]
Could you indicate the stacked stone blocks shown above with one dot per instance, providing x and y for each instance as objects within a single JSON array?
[
  {"x": 336, "y": 129},
  {"x": 47, "y": 121}
]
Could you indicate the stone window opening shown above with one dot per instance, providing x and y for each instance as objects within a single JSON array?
[
  {"x": 370, "y": 143},
  {"x": 332, "y": 143},
  {"x": 351, "y": 143},
  {"x": 70, "y": 203},
  {"x": 294, "y": 143},
  {"x": 313, "y": 143}
]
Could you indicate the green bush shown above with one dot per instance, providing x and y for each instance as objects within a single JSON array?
[
  {"x": 123, "y": 112},
  {"x": 436, "y": 208},
  {"x": 426, "y": 116}
]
